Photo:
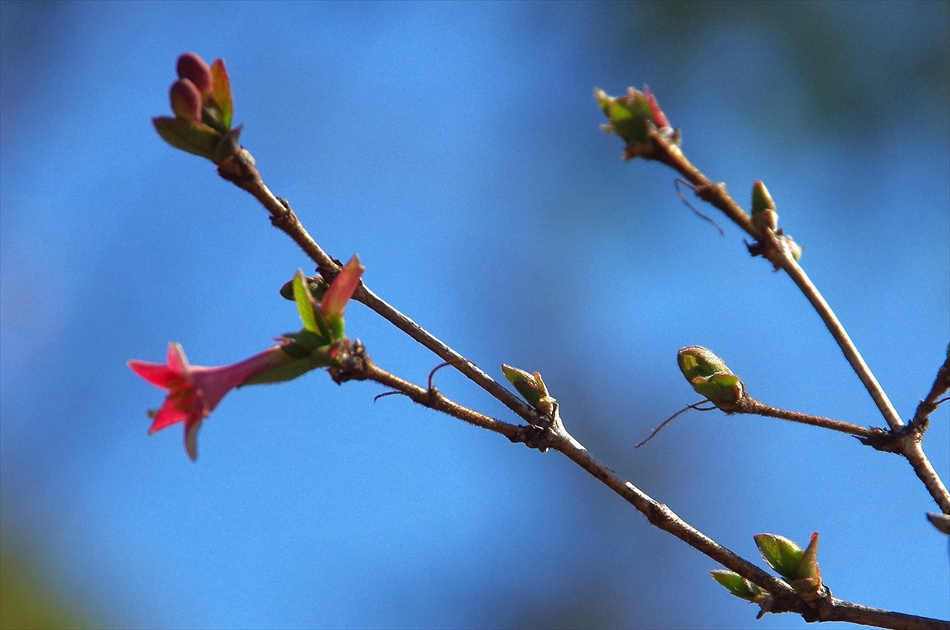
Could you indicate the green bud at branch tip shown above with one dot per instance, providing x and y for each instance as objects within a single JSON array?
[
  {"x": 781, "y": 554},
  {"x": 763, "y": 208}
]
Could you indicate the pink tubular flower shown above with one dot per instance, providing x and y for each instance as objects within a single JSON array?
[{"x": 194, "y": 391}]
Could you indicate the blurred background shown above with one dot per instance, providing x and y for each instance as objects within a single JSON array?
[{"x": 456, "y": 148}]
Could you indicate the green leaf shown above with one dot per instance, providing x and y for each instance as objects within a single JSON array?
[
  {"x": 722, "y": 388},
  {"x": 336, "y": 326},
  {"x": 221, "y": 91},
  {"x": 305, "y": 342},
  {"x": 188, "y": 136},
  {"x": 305, "y": 303},
  {"x": 738, "y": 585},
  {"x": 526, "y": 384},
  {"x": 292, "y": 370},
  {"x": 781, "y": 553}
]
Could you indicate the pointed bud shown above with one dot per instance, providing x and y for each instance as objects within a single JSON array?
[
  {"x": 630, "y": 117},
  {"x": 659, "y": 118},
  {"x": 192, "y": 67},
  {"x": 763, "y": 208},
  {"x": 710, "y": 377},
  {"x": 699, "y": 361},
  {"x": 342, "y": 288},
  {"x": 531, "y": 387},
  {"x": 186, "y": 100},
  {"x": 780, "y": 553},
  {"x": 809, "y": 565},
  {"x": 738, "y": 585},
  {"x": 221, "y": 92}
]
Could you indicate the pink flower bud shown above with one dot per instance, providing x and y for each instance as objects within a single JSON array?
[
  {"x": 186, "y": 100},
  {"x": 194, "y": 68}
]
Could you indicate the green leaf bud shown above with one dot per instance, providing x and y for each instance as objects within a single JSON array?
[
  {"x": 699, "y": 361},
  {"x": 188, "y": 136},
  {"x": 531, "y": 387},
  {"x": 763, "y": 208},
  {"x": 738, "y": 585},
  {"x": 781, "y": 554}
]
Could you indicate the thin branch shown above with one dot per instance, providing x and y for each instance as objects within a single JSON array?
[
  {"x": 357, "y": 365},
  {"x": 930, "y": 403},
  {"x": 716, "y": 195},
  {"x": 753, "y": 406},
  {"x": 839, "y": 610},
  {"x": 778, "y": 253},
  {"x": 241, "y": 171}
]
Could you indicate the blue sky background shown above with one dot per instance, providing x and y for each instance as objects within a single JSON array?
[{"x": 456, "y": 148}]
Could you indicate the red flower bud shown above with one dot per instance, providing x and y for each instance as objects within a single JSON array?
[
  {"x": 192, "y": 67},
  {"x": 186, "y": 100}
]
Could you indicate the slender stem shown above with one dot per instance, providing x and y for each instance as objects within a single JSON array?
[
  {"x": 750, "y": 405},
  {"x": 783, "y": 598},
  {"x": 361, "y": 367},
  {"x": 716, "y": 194},
  {"x": 663, "y": 517},
  {"x": 780, "y": 256},
  {"x": 459, "y": 362},
  {"x": 801, "y": 279},
  {"x": 241, "y": 171},
  {"x": 840, "y": 610}
]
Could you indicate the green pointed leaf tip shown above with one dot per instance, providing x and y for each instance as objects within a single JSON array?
[
  {"x": 763, "y": 208},
  {"x": 781, "y": 554},
  {"x": 721, "y": 388},
  {"x": 188, "y": 136},
  {"x": 305, "y": 304},
  {"x": 737, "y": 585},
  {"x": 292, "y": 370},
  {"x": 305, "y": 342},
  {"x": 696, "y": 361},
  {"x": 627, "y": 114},
  {"x": 221, "y": 92},
  {"x": 525, "y": 383},
  {"x": 808, "y": 568}
]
